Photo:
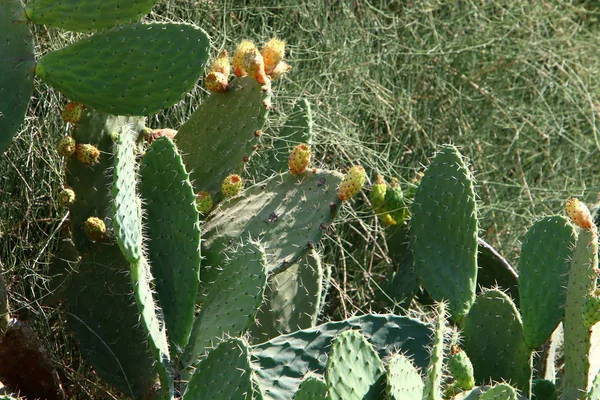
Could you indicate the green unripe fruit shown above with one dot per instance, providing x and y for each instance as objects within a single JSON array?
[
  {"x": 204, "y": 202},
  {"x": 66, "y": 197},
  {"x": 394, "y": 202},
  {"x": 231, "y": 185},
  {"x": 95, "y": 229},
  {"x": 378, "y": 193},
  {"x": 591, "y": 309},
  {"x": 461, "y": 368},
  {"x": 66, "y": 146}
]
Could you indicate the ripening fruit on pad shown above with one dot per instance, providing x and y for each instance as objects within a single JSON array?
[
  {"x": 204, "y": 202},
  {"x": 232, "y": 185},
  {"x": 72, "y": 112},
  {"x": 87, "y": 153},
  {"x": 66, "y": 197},
  {"x": 579, "y": 213},
  {"x": 352, "y": 183},
  {"x": 299, "y": 159},
  {"x": 222, "y": 64},
  {"x": 95, "y": 229},
  {"x": 216, "y": 82},
  {"x": 239, "y": 55},
  {"x": 272, "y": 54},
  {"x": 66, "y": 146}
]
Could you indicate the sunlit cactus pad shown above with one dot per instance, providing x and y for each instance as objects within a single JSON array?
[
  {"x": 136, "y": 69},
  {"x": 86, "y": 15},
  {"x": 16, "y": 69}
]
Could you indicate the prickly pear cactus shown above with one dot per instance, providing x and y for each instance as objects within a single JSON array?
[
  {"x": 403, "y": 380},
  {"x": 311, "y": 388},
  {"x": 114, "y": 71},
  {"x": 16, "y": 69},
  {"x": 433, "y": 378}
]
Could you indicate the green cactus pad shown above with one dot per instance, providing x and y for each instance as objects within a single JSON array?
[
  {"x": 577, "y": 344},
  {"x": 543, "y": 267},
  {"x": 493, "y": 326},
  {"x": 292, "y": 299},
  {"x": 297, "y": 130},
  {"x": 127, "y": 220},
  {"x": 106, "y": 322},
  {"x": 444, "y": 231},
  {"x": 173, "y": 232},
  {"x": 86, "y": 15},
  {"x": 461, "y": 369},
  {"x": 231, "y": 304},
  {"x": 311, "y": 388},
  {"x": 135, "y": 69},
  {"x": 433, "y": 378},
  {"x": 222, "y": 131},
  {"x": 16, "y": 69},
  {"x": 403, "y": 379},
  {"x": 353, "y": 368},
  {"x": 91, "y": 183},
  {"x": 282, "y": 363},
  {"x": 225, "y": 374},
  {"x": 287, "y": 213},
  {"x": 501, "y": 391}
]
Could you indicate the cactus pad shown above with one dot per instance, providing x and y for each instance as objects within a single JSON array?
[
  {"x": 501, "y": 391},
  {"x": 86, "y": 15},
  {"x": 311, "y": 388},
  {"x": 512, "y": 357},
  {"x": 403, "y": 379},
  {"x": 225, "y": 374},
  {"x": 353, "y": 368},
  {"x": 543, "y": 267},
  {"x": 444, "y": 231},
  {"x": 282, "y": 363},
  {"x": 16, "y": 69},
  {"x": 173, "y": 232},
  {"x": 136, "y": 69}
]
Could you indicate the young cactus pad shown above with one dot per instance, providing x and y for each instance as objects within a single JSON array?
[
  {"x": 444, "y": 231},
  {"x": 75, "y": 15},
  {"x": 311, "y": 388},
  {"x": 403, "y": 379},
  {"x": 16, "y": 69},
  {"x": 135, "y": 69}
]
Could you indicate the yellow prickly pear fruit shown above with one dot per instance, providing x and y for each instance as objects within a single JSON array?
[
  {"x": 239, "y": 55},
  {"x": 87, "y": 153},
  {"x": 254, "y": 65},
  {"x": 66, "y": 197},
  {"x": 72, "y": 112},
  {"x": 579, "y": 213},
  {"x": 204, "y": 202},
  {"x": 222, "y": 64},
  {"x": 280, "y": 69},
  {"x": 352, "y": 183},
  {"x": 231, "y": 185},
  {"x": 95, "y": 229},
  {"x": 216, "y": 82},
  {"x": 299, "y": 159},
  {"x": 272, "y": 54},
  {"x": 66, "y": 146}
]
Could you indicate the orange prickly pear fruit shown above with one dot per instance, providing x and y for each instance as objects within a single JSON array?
[
  {"x": 216, "y": 82},
  {"x": 254, "y": 65},
  {"x": 222, "y": 64},
  {"x": 72, "y": 112},
  {"x": 87, "y": 153},
  {"x": 239, "y": 55},
  {"x": 579, "y": 214},
  {"x": 153, "y": 134},
  {"x": 204, "y": 202},
  {"x": 280, "y": 69},
  {"x": 66, "y": 197},
  {"x": 272, "y": 54},
  {"x": 231, "y": 185},
  {"x": 299, "y": 159},
  {"x": 95, "y": 229},
  {"x": 353, "y": 182},
  {"x": 66, "y": 146}
]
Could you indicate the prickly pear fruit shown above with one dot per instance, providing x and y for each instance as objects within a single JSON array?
[
  {"x": 353, "y": 182},
  {"x": 153, "y": 134},
  {"x": 254, "y": 65},
  {"x": 591, "y": 309},
  {"x": 579, "y": 213},
  {"x": 461, "y": 368},
  {"x": 66, "y": 197},
  {"x": 221, "y": 64},
  {"x": 87, "y": 153},
  {"x": 280, "y": 69},
  {"x": 232, "y": 185},
  {"x": 66, "y": 146},
  {"x": 395, "y": 204},
  {"x": 240, "y": 55},
  {"x": 216, "y": 82},
  {"x": 299, "y": 159},
  {"x": 72, "y": 112},
  {"x": 95, "y": 229},
  {"x": 272, "y": 54},
  {"x": 204, "y": 202},
  {"x": 378, "y": 193}
]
